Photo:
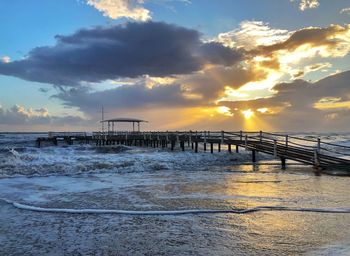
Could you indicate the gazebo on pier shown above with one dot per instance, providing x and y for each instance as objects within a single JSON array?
[{"x": 112, "y": 123}]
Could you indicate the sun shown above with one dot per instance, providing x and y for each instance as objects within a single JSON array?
[{"x": 248, "y": 113}]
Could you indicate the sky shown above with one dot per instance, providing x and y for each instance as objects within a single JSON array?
[{"x": 272, "y": 65}]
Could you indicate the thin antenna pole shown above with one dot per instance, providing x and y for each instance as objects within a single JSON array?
[{"x": 103, "y": 118}]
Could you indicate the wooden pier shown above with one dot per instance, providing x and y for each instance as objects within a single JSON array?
[{"x": 311, "y": 151}]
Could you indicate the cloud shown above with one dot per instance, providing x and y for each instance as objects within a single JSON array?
[
  {"x": 250, "y": 37},
  {"x": 130, "y": 50},
  {"x": 332, "y": 41},
  {"x": 201, "y": 89},
  {"x": 151, "y": 69},
  {"x": 251, "y": 34},
  {"x": 43, "y": 90},
  {"x": 288, "y": 55},
  {"x": 301, "y": 94},
  {"x": 5, "y": 59},
  {"x": 311, "y": 68},
  {"x": 304, "y": 45},
  {"x": 226, "y": 71},
  {"x": 19, "y": 115},
  {"x": 130, "y": 9},
  {"x": 258, "y": 39},
  {"x": 345, "y": 10},
  {"x": 323, "y": 105},
  {"x": 115, "y": 9},
  {"x": 135, "y": 96},
  {"x": 211, "y": 83},
  {"x": 307, "y": 4},
  {"x": 216, "y": 53}
]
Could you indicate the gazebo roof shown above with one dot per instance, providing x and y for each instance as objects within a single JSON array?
[{"x": 123, "y": 120}]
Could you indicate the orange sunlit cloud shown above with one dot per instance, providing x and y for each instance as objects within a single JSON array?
[
  {"x": 332, "y": 103},
  {"x": 224, "y": 110},
  {"x": 286, "y": 56}
]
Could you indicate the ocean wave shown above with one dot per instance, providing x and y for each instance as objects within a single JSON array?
[
  {"x": 78, "y": 159},
  {"x": 113, "y": 149}
]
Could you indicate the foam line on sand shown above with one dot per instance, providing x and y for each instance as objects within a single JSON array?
[{"x": 174, "y": 212}]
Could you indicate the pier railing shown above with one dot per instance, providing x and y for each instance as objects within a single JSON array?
[
  {"x": 309, "y": 142},
  {"x": 309, "y": 149},
  {"x": 66, "y": 134}
]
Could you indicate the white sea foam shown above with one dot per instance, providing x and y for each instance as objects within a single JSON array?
[
  {"x": 14, "y": 152},
  {"x": 69, "y": 160},
  {"x": 84, "y": 159},
  {"x": 174, "y": 212}
]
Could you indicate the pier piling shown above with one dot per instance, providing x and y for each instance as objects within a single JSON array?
[
  {"x": 283, "y": 163},
  {"x": 253, "y": 156}
]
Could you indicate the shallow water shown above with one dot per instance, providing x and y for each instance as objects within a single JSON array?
[{"x": 132, "y": 179}]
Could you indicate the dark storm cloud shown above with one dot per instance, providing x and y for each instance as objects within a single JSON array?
[
  {"x": 130, "y": 50},
  {"x": 218, "y": 54},
  {"x": 126, "y": 97},
  {"x": 206, "y": 86}
]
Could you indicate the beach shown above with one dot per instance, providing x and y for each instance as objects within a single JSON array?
[{"x": 42, "y": 187}]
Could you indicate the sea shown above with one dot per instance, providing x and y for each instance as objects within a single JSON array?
[{"x": 83, "y": 200}]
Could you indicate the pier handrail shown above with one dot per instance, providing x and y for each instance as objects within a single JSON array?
[
  {"x": 311, "y": 149},
  {"x": 320, "y": 145},
  {"x": 279, "y": 139},
  {"x": 294, "y": 141},
  {"x": 332, "y": 144},
  {"x": 66, "y": 134}
]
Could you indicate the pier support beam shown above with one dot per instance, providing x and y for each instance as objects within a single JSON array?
[
  {"x": 317, "y": 168},
  {"x": 237, "y": 149},
  {"x": 253, "y": 156},
  {"x": 196, "y": 147},
  {"x": 219, "y": 147},
  {"x": 229, "y": 148},
  {"x": 283, "y": 163},
  {"x": 211, "y": 148}
]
